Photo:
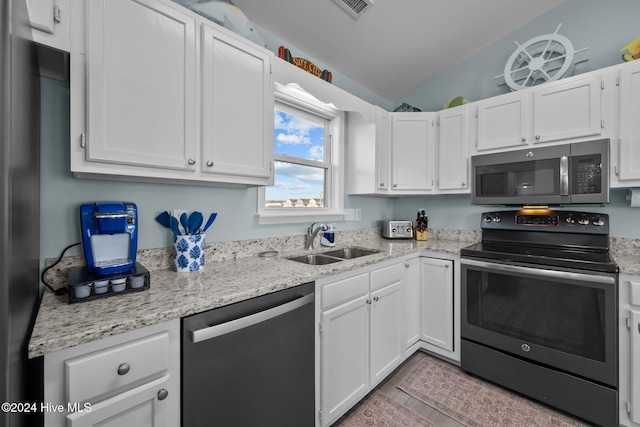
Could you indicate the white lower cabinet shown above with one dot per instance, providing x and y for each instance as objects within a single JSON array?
[
  {"x": 360, "y": 337},
  {"x": 629, "y": 350},
  {"x": 131, "y": 379},
  {"x": 437, "y": 302},
  {"x": 411, "y": 304}
]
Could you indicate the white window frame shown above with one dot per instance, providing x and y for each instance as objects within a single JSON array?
[{"x": 294, "y": 96}]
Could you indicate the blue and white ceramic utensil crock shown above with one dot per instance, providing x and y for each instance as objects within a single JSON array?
[{"x": 189, "y": 252}]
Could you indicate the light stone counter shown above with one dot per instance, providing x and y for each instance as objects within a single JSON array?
[{"x": 233, "y": 272}]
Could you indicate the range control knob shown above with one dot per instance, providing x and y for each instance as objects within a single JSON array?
[
  {"x": 583, "y": 221},
  {"x": 570, "y": 219},
  {"x": 487, "y": 219},
  {"x": 497, "y": 218},
  {"x": 597, "y": 221}
]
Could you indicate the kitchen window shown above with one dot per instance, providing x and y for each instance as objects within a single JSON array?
[{"x": 308, "y": 173}]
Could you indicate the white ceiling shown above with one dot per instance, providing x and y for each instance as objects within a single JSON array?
[{"x": 396, "y": 46}]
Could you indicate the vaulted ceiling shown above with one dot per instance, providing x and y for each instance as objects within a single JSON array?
[{"x": 395, "y": 46}]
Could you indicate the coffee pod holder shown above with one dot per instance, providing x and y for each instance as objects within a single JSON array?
[{"x": 84, "y": 286}]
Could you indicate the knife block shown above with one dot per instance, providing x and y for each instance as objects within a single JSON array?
[{"x": 422, "y": 235}]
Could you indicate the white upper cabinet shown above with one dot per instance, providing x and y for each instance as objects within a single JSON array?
[
  {"x": 453, "y": 149},
  {"x": 568, "y": 110},
  {"x": 237, "y": 107},
  {"x": 160, "y": 93},
  {"x": 141, "y": 83},
  {"x": 368, "y": 153},
  {"x": 503, "y": 121},
  {"x": 50, "y": 22},
  {"x": 628, "y": 161},
  {"x": 412, "y": 152}
]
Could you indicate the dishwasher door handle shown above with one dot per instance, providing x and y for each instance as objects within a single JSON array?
[{"x": 244, "y": 322}]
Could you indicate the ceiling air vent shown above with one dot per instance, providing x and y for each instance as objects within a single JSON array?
[{"x": 355, "y": 8}]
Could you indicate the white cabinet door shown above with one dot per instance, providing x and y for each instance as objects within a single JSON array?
[
  {"x": 437, "y": 302},
  {"x": 629, "y": 155},
  {"x": 144, "y": 406},
  {"x": 503, "y": 121},
  {"x": 453, "y": 153},
  {"x": 565, "y": 110},
  {"x": 411, "y": 303},
  {"x": 386, "y": 327},
  {"x": 383, "y": 149},
  {"x": 344, "y": 357},
  {"x": 50, "y": 21},
  {"x": 412, "y": 151},
  {"x": 237, "y": 107},
  {"x": 141, "y": 83}
]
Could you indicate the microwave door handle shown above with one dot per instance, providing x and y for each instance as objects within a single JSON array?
[{"x": 564, "y": 176}]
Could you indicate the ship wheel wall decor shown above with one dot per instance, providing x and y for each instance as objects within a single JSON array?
[{"x": 542, "y": 59}]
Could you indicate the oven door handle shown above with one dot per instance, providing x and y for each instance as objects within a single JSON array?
[{"x": 552, "y": 274}]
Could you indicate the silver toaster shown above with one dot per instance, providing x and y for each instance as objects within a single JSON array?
[{"x": 397, "y": 229}]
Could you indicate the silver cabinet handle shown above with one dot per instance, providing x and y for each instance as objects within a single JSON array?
[
  {"x": 244, "y": 322},
  {"x": 209, "y": 163},
  {"x": 123, "y": 369},
  {"x": 162, "y": 394},
  {"x": 191, "y": 161}
]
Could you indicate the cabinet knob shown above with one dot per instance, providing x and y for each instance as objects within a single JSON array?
[
  {"x": 523, "y": 139},
  {"x": 192, "y": 161},
  {"x": 537, "y": 136},
  {"x": 123, "y": 369},
  {"x": 209, "y": 163},
  {"x": 464, "y": 184},
  {"x": 406, "y": 266},
  {"x": 376, "y": 298},
  {"x": 382, "y": 184},
  {"x": 395, "y": 185},
  {"x": 368, "y": 301},
  {"x": 162, "y": 394}
]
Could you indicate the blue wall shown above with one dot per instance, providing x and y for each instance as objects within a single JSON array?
[{"x": 602, "y": 26}]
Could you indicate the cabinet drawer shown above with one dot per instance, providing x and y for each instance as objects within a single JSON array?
[
  {"x": 344, "y": 290},
  {"x": 106, "y": 371},
  {"x": 386, "y": 276}
]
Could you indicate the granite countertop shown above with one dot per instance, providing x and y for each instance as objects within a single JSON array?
[
  {"x": 234, "y": 272},
  {"x": 173, "y": 295}
]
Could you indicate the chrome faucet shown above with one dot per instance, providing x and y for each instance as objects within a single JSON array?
[{"x": 310, "y": 237}]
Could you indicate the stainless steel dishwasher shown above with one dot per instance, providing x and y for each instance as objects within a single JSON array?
[{"x": 251, "y": 363}]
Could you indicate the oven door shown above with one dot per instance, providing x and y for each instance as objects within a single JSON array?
[{"x": 565, "y": 320}]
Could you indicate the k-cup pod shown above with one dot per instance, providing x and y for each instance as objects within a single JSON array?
[
  {"x": 82, "y": 291},
  {"x": 118, "y": 285},
  {"x": 100, "y": 286},
  {"x": 136, "y": 282}
]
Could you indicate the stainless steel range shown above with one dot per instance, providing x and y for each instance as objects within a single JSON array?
[{"x": 539, "y": 309}]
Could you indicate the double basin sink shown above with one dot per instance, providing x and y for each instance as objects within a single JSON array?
[{"x": 330, "y": 257}]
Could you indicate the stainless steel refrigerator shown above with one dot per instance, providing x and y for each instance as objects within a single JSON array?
[{"x": 20, "y": 379}]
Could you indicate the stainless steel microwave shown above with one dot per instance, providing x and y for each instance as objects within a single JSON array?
[{"x": 556, "y": 175}]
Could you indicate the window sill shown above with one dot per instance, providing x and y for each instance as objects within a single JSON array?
[{"x": 291, "y": 218}]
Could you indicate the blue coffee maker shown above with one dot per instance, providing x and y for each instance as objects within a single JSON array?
[{"x": 109, "y": 236}]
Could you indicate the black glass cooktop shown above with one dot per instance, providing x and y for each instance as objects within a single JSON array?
[{"x": 544, "y": 256}]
